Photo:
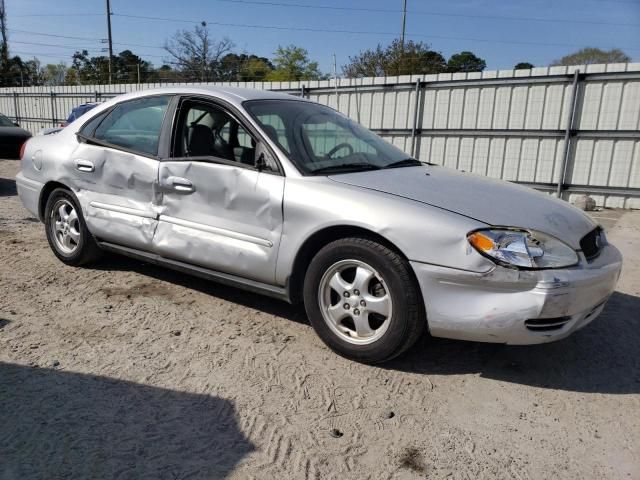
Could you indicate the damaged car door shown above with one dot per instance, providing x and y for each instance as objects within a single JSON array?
[
  {"x": 222, "y": 195},
  {"x": 115, "y": 168}
]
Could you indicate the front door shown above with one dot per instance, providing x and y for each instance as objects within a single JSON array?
[
  {"x": 115, "y": 168},
  {"x": 219, "y": 209}
]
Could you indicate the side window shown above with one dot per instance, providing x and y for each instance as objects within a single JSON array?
[
  {"x": 134, "y": 125},
  {"x": 90, "y": 127},
  {"x": 205, "y": 130},
  {"x": 273, "y": 126}
]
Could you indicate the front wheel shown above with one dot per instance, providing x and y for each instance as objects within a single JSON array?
[{"x": 362, "y": 300}]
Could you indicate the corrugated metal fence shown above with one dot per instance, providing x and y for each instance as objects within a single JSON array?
[{"x": 572, "y": 130}]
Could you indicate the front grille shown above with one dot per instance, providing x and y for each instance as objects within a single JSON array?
[
  {"x": 546, "y": 324},
  {"x": 591, "y": 243}
]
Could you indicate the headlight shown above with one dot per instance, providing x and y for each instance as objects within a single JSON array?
[{"x": 526, "y": 249}]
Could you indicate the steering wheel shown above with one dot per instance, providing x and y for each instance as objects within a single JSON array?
[{"x": 338, "y": 147}]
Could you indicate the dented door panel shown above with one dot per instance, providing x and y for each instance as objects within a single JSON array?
[
  {"x": 118, "y": 194},
  {"x": 229, "y": 220}
]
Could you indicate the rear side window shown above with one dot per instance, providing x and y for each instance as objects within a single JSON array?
[
  {"x": 134, "y": 125},
  {"x": 88, "y": 129}
]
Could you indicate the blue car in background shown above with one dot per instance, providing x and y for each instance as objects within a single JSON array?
[{"x": 76, "y": 112}]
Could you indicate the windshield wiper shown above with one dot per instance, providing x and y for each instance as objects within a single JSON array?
[
  {"x": 346, "y": 167},
  {"x": 407, "y": 162}
]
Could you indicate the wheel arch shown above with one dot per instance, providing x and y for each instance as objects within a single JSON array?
[
  {"x": 312, "y": 245},
  {"x": 48, "y": 188}
]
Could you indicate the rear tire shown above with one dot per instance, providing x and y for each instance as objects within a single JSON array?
[
  {"x": 362, "y": 300},
  {"x": 67, "y": 231}
]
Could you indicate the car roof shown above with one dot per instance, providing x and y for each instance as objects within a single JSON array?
[{"x": 233, "y": 95}]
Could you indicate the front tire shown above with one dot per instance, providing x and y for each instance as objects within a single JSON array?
[
  {"x": 362, "y": 300},
  {"x": 67, "y": 231}
]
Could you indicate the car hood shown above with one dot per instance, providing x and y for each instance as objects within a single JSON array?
[{"x": 491, "y": 201}]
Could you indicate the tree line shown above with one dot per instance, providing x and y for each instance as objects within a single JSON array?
[{"x": 195, "y": 56}]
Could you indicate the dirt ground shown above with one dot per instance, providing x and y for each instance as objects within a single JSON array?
[{"x": 126, "y": 370}]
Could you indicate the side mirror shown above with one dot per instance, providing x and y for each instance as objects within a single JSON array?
[
  {"x": 16, "y": 124},
  {"x": 264, "y": 161}
]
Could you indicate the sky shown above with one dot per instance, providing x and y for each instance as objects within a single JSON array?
[{"x": 535, "y": 31}]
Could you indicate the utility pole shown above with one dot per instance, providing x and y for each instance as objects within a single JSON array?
[
  {"x": 335, "y": 79},
  {"x": 404, "y": 22},
  {"x": 4, "y": 47},
  {"x": 109, "y": 37}
]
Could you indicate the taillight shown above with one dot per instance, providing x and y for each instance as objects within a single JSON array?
[{"x": 22, "y": 148}]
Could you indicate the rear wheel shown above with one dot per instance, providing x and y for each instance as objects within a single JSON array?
[
  {"x": 362, "y": 300},
  {"x": 66, "y": 230}
]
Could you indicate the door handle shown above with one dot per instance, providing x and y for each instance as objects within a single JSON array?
[
  {"x": 84, "y": 166},
  {"x": 180, "y": 184}
]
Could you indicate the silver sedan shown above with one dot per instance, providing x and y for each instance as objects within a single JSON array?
[{"x": 286, "y": 197}]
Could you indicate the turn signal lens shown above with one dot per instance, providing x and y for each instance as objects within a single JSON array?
[
  {"x": 22, "y": 148},
  {"x": 481, "y": 242}
]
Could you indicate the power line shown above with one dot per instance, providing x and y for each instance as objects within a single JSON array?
[
  {"x": 55, "y": 45},
  {"x": 427, "y": 13},
  {"x": 356, "y": 32},
  {"x": 54, "y": 35},
  {"x": 59, "y": 15}
]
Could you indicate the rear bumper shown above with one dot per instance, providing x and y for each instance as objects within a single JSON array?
[
  {"x": 29, "y": 192},
  {"x": 517, "y": 307}
]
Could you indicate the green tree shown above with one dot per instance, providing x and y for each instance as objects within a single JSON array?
[
  {"x": 590, "y": 55},
  {"x": 72, "y": 77},
  {"x": 55, "y": 74},
  {"x": 167, "y": 74},
  {"x": 243, "y": 67},
  {"x": 255, "y": 70},
  {"x": 395, "y": 59},
  {"x": 292, "y": 63},
  {"x": 91, "y": 70},
  {"x": 124, "y": 68},
  {"x": 127, "y": 65},
  {"x": 524, "y": 66},
  {"x": 465, "y": 62}
]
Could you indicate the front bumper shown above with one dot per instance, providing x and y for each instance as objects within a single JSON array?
[{"x": 514, "y": 306}]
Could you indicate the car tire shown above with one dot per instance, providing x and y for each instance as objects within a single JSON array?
[
  {"x": 362, "y": 300},
  {"x": 67, "y": 231}
]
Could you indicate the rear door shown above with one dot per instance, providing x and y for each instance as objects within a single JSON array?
[
  {"x": 115, "y": 167},
  {"x": 220, "y": 210}
]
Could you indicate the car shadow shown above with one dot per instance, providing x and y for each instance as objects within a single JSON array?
[
  {"x": 55, "y": 424},
  {"x": 600, "y": 358},
  {"x": 7, "y": 187},
  {"x": 265, "y": 304}
]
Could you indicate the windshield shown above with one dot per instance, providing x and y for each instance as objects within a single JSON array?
[
  {"x": 5, "y": 122},
  {"x": 320, "y": 140}
]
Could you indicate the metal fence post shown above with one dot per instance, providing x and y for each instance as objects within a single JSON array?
[
  {"x": 53, "y": 109},
  {"x": 416, "y": 107},
  {"x": 302, "y": 91},
  {"x": 16, "y": 110},
  {"x": 568, "y": 133}
]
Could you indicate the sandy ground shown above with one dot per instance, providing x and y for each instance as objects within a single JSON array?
[{"x": 126, "y": 370}]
